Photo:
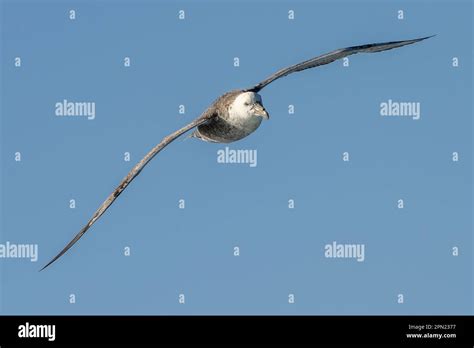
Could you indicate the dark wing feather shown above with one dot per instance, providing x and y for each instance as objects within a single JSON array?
[
  {"x": 331, "y": 57},
  {"x": 130, "y": 176}
]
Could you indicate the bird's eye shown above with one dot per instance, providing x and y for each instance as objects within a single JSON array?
[{"x": 246, "y": 104}]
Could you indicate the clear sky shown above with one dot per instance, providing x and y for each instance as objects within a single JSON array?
[{"x": 407, "y": 251}]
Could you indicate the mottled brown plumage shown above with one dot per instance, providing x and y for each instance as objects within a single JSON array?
[{"x": 220, "y": 130}]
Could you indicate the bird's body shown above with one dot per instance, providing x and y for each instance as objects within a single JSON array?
[
  {"x": 233, "y": 116},
  {"x": 235, "y": 119}
]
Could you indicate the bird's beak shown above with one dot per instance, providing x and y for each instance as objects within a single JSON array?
[{"x": 259, "y": 110}]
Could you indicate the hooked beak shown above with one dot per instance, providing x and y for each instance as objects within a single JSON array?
[{"x": 259, "y": 110}]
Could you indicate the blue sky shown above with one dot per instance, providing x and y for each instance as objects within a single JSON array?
[{"x": 191, "y": 251}]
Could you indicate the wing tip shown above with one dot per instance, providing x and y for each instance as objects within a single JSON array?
[
  {"x": 45, "y": 266},
  {"x": 411, "y": 41},
  {"x": 426, "y": 37},
  {"x": 50, "y": 262},
  {"x": 67, "y": 247}
]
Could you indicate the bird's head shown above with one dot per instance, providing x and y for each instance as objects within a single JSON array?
[{"x": 250, "y": 103}]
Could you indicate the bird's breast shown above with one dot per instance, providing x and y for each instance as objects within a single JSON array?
[{"x": 222, "y": 130}]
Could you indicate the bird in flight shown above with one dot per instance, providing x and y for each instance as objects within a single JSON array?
[{"x": 231, "y": 117}]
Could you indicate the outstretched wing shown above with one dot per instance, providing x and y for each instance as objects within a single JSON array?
[
  {"x": 331, "y": 57},
  {"x": 206, "y": 116}
]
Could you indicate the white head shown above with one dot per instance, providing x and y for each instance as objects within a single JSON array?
[{"x": 249, "y": 104}]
